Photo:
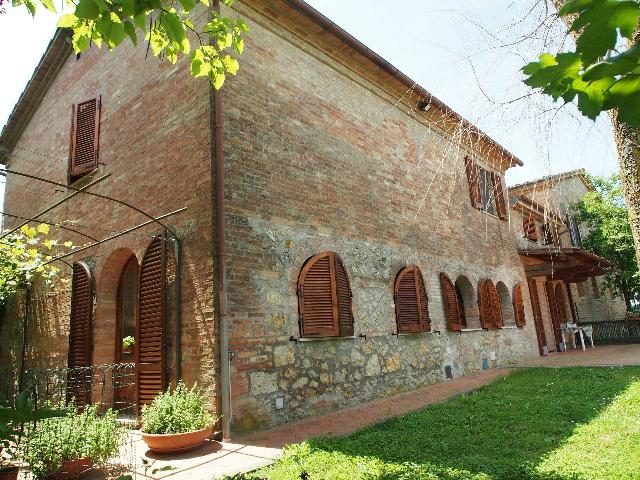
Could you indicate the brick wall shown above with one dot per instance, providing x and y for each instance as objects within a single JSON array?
[{"x": 154, "y": 141}]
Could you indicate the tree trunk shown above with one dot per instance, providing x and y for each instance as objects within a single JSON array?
[{"x": 628, "y": 145}]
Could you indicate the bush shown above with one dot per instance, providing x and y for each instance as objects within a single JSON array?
[
  {"x": 82, "y": 434},
  {"x": 180, "y": 411}
]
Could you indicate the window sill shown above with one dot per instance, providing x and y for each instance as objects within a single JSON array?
[
  {"x": 471, "y": 330},
  {"x": 509, "y": 327},
  {"x": 409, "y": 334},
  {"x": 493, "y": 215},
  {"x": 322, "y": 339}
]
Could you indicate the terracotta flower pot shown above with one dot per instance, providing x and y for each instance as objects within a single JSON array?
[
  {"x": 71, "y": 469},
  {"x": 9, "y": 474},
  {"x": 176, "y": 442}
]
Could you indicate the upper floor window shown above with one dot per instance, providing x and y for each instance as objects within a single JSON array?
[
  {"x": 529, "y": 229},
  {"x": 412, "y": 306},
  {"x": 324, "y": 297},
  {"x": 85, "y": 129},
  {"x": 574, "y": 231},
  {"x": 485, "y": 189}
]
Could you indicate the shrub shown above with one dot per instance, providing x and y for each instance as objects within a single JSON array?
[
  {"x": 180, "y": 411},
  {"x": 82, "y": 434},
  {"x": 128, "y": 343}
]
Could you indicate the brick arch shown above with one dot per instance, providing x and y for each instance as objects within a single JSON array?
[
  {"x": 105, "y": 323},
  {"x": 506, "y": 305},
  {"x": 467, "y": 296}
]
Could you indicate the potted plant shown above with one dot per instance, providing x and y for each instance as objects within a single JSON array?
[
  {"x": 63, "y": 448},
  {"x": 177, "y": 421},
  {"x": 12, "y": 422},
  {"x": 127, "y": 344}
]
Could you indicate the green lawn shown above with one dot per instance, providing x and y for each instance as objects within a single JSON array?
[{"x": 538, "y": 424}]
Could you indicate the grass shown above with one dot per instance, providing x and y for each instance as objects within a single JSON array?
[{"x": 537, "y": 424}]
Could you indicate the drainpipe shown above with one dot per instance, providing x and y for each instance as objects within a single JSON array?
[
  {"x": 220, "y": 250},
  {"x": 25, "y": 325},
  {"x": 177, "y": 253}
]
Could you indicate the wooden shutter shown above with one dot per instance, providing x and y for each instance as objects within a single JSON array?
[
  {"x": 343, "y": 297},
  {"x": 484, "y": 304},
  {"x": 496, "y": 308},
  {"x": 498, "y": 193},
  {"x": 412, "y": 313},
  {"x": 553, "y": 309},
  {"x": 518, "y": 306},
  {"x": 85, "y": 134},
  {"x": 474, "y": 186},
  {"x": 149, "y": 346},
  {"x": 450, "y": 302},
  {"x": 324, "y": 297},
  {"x": 529, "y": 229},
  {"x": 537, "y": 314},
  {"x": 79, "y": 379}
]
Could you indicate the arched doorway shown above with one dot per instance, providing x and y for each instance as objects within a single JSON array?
[
  {"x": 506, "y": 306},
  {"x": 126, "y": 312}
]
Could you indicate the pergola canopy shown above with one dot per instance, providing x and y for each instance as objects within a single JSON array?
[{"x": 569, "y": 263}]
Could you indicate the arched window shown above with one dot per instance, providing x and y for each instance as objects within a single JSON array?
[
  {"x": 518, "y": 306},
  {"x": 468, "y": 302},
  {"x": 489, "y": 305},
  {"x": 126, "y": 310},
  {"x": 506, "y": 307},
  {"x": 451, "y": 303},
  {"x": 412, "y": 305},
  {"x": 324, "y": 297}
]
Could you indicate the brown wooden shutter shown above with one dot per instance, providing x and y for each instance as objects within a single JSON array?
[
  {"x": 496, "y": 308},
  {"x": 85, "y": 134},
  {"x": 424, "y": 303},
  {"x": 343, "y": 297},
  {"x": 518, "y": 306},
  {"x": 537, "y": 314},
  {"x": 316, "y": 294},
  {"x": 498, "y": 192},
  {"x": 529, "y": 229},
  {"x": 484, "y": 304},
  {"x": 450, "y": 302},
  {"x": 474, "y": 186},
  {"x": 80, "y": 335},
  {"x": 553, "y": 309},
  {"x": 412, "y": 313},
  {"x": 149, "y": 346}
]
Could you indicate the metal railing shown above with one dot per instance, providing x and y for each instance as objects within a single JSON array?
[
  {"x": 614, "y": 333},
  {"x": 110, "y": 385}
]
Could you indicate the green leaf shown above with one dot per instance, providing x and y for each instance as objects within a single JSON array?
[
  {"x": 230, "y": 64},
  {"x": 173, "y": 26},
  {"x": 67, "y": 21},
  {"x": 599, "y": 26},
  {"x": 591, "y": 96},
  {"x": 617, "y": 65},
  {"x": 116, "y": 36},
  {"x": 575, "y": 6},
  {"x": 141, "y": 21},
  {"x": 87, "y": 9},
  {"x": 48, "y": 4},
  {"x": 128, "y": 8},
  {"x": 130, "y": 30},
  {"x": 188, "y": 4}
]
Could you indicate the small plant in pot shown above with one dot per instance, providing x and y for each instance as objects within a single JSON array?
[
  {"x": 177, "y": 421},
  {"x": 127, "y": 344},
  {"x": 63, "y": 448},
  {"x": 12, "y": 426}
]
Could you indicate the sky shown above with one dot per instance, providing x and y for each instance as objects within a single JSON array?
[{"x": 468, "y": 53}]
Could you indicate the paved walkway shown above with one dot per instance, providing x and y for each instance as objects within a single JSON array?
[{"x": 606, "y": 355}]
